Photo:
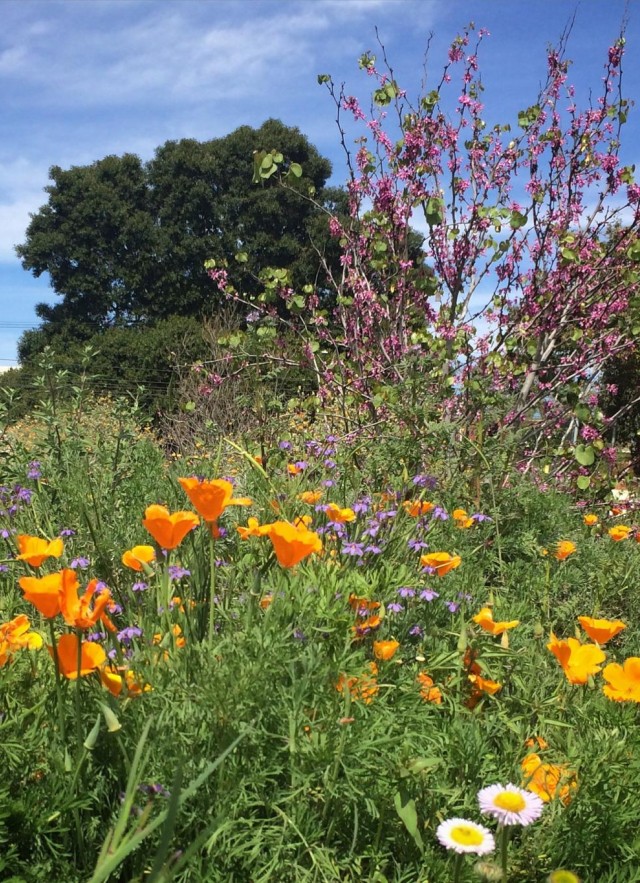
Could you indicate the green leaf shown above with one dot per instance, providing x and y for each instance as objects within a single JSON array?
[
  {"x": 296, "y": 169},
  {"x": 583, "y": 482},
  {"x": 569, "y": 255},
  {"x": 585, "y": 455},
  {"x": 433, "y": 211},
  {"x": 517, "y": 220},
  {"x": 406, "y": 809}
]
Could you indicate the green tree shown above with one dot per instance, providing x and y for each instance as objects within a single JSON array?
[{"x": 124, "y": 242}]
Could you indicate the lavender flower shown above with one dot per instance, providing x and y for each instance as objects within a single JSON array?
[
  {"x": 34, "y": 470},
  {"x": 352, "y": 549},
  {"x": 129, "y": 634},
  {"x": 177, "y": 572},
  {"x": 406, "y": 592},
  {"x": 140, "y": 586},
  {"x": 79, "y": 563},
  {"x": 428, "y": 594},
  {"x": 452, "y": 605},
  {"x": 416, "y": 631},
  {"x": 395, "y": 607}
]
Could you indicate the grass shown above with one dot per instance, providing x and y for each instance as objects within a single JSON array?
[{"x": 243, "y": 761}]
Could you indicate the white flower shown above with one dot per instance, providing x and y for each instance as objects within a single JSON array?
[
  {"x": 464, "y": 836},
  {"x": 510, "y": 805}
]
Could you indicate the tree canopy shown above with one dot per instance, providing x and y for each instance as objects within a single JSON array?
[{"x": 124, "y": 242}]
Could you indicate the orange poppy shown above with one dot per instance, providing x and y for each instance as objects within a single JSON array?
[
  {"x": 16, "y": 635},
  {"x": 461, "y": 518},
  {"x": 440, "y": 562},
  {"x": 564, "y": 548},
  {"x": 601, "y": 630},
  {"x": 619, "y": 532},
  {"x": 253, "y": 529},
  {"x": 92, "y": 656},
  {"x": 623, "y": 681},
  {"x": 484, "y": 685},
  {"x": 167, "y": 529},
  {"x": 385, "y": 650},
  {"x": 35, "y": 550},
  {"x": 590, "y": 519},
  {"x": 117, "y": 680},
  {"x": 45, "y": 592},
  {"x": 136, "y": 557},
  {"x": 485, "y": 620},
  {"x": 339, "y": 516},
  {"x": 578, "y": 661},
  {"x": 365, "y": 687},
  {"x": 292, "y": 543},
  {"x": 294, "y": 469},
  {"x": 548, "y": 780},
  {"x": 310, "y": 497},
  {"x": 416, "y": 508},
  {"x": 77, "y": 611},
  {"x": 429, "y": 692},
  {"x": 211, "y": 498}
]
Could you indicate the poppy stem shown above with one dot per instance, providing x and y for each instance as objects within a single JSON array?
[
  {"x": 56, "y": 665},
  {"x": 79, "y": 738},
  {"x": 212, "y": 587}
]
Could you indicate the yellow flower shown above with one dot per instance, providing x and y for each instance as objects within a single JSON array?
[
  {"x": 485, "y": 620},
  {"x": 35, "y": 550},
  {"x": 564, "y": 548},
  {"x": 590, "y": 519},
  {"x": 548, "y": 780},
  {"x": 619, "y": 532},
  {"x": 339, "y": 516},
  {"x": 578, "y": 661},
  {"x": 623, "y": 681},
  {"x": 16, "y": 635},
  {"x": 136, "y": 557}
]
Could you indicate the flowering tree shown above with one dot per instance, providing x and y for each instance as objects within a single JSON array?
[{"x": 523, "y": 284}]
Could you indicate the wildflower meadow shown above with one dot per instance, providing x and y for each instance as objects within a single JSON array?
[{"x": 390, "y": 630}]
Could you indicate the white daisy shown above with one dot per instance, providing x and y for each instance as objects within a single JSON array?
[
  {"x": 510, "y": 805},
  {"x": 464, "y": 836}
]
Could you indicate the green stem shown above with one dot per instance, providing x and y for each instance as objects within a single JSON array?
[
  {"x": 504, "y": 852},
  {"x": 457, "y": 867},
  {"x": 212, "y": 587},
  {"x": 56, "y": 662},
  {"x": 79, "y": 738}
]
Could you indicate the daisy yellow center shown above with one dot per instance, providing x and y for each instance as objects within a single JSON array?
[
  {"x": 509, "y": 801},
  {"x": 465, "y": 835}
]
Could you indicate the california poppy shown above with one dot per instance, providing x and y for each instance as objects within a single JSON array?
[
  {"x": 590, "y": 519},
  {"x": 118, "y": 679},
  {"x": 45, "y": 592},
  {"x": 564, "y": 548},
  {"x": 77, "y": 612},
  {"x": 35, "y": 550},
  {"x": 578, "y": 661},
  {"x": 440, "y": 562},
  {"x": 601, "y": 630},
  {"x": 623, "y": 681},
  {"x": 619, "y": 532},
  {"x": 92, "y": 656},
  {"x": 211, "y": 498},
  {"x": 385, "y": 650},
  {"x": 416, "y": 508},
  {"x": 365, "y": 687},
  {"x": 292, "y": 543},
  {"x": 136, "y": 557},
  {"x": 253, "y": 529},
  {"x": 429, "y": 692},
  {"x": 167, "y": 529},
  {"x": 16, "y": 635},
  {"x": 310, "y": 497},
  {"x": 461, "y": 518},
  {"x": 339, "y": 516},
  {"x": 485, "y": 620},
  {"x": 548, "y": 780}
]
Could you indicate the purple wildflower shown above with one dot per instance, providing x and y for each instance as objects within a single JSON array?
[
  {"x": 429, "y": 594},
  {"x": 373, "y": 550},
  {"x": 177, "y": 572},
  {"x": 406, "y": 592},
  {"x": 285, "y": 445},
  {"x": 440, "y": 513},
  {"x": 416, "y": 631},
  {"x": 352, "y": 549},
  {"x": 79, "y": 563},
  {"x": 129, "y": 634},
  {"x": 140, "y": 587},
  {"x": 416, "y": 544},
  {"x": 395, "y": 607},
  {"x": 34, "y": 470},
  {"x": 452, "y": 605}
]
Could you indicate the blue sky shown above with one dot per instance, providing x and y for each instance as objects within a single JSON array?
[{"x": 81, "y": 79}]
